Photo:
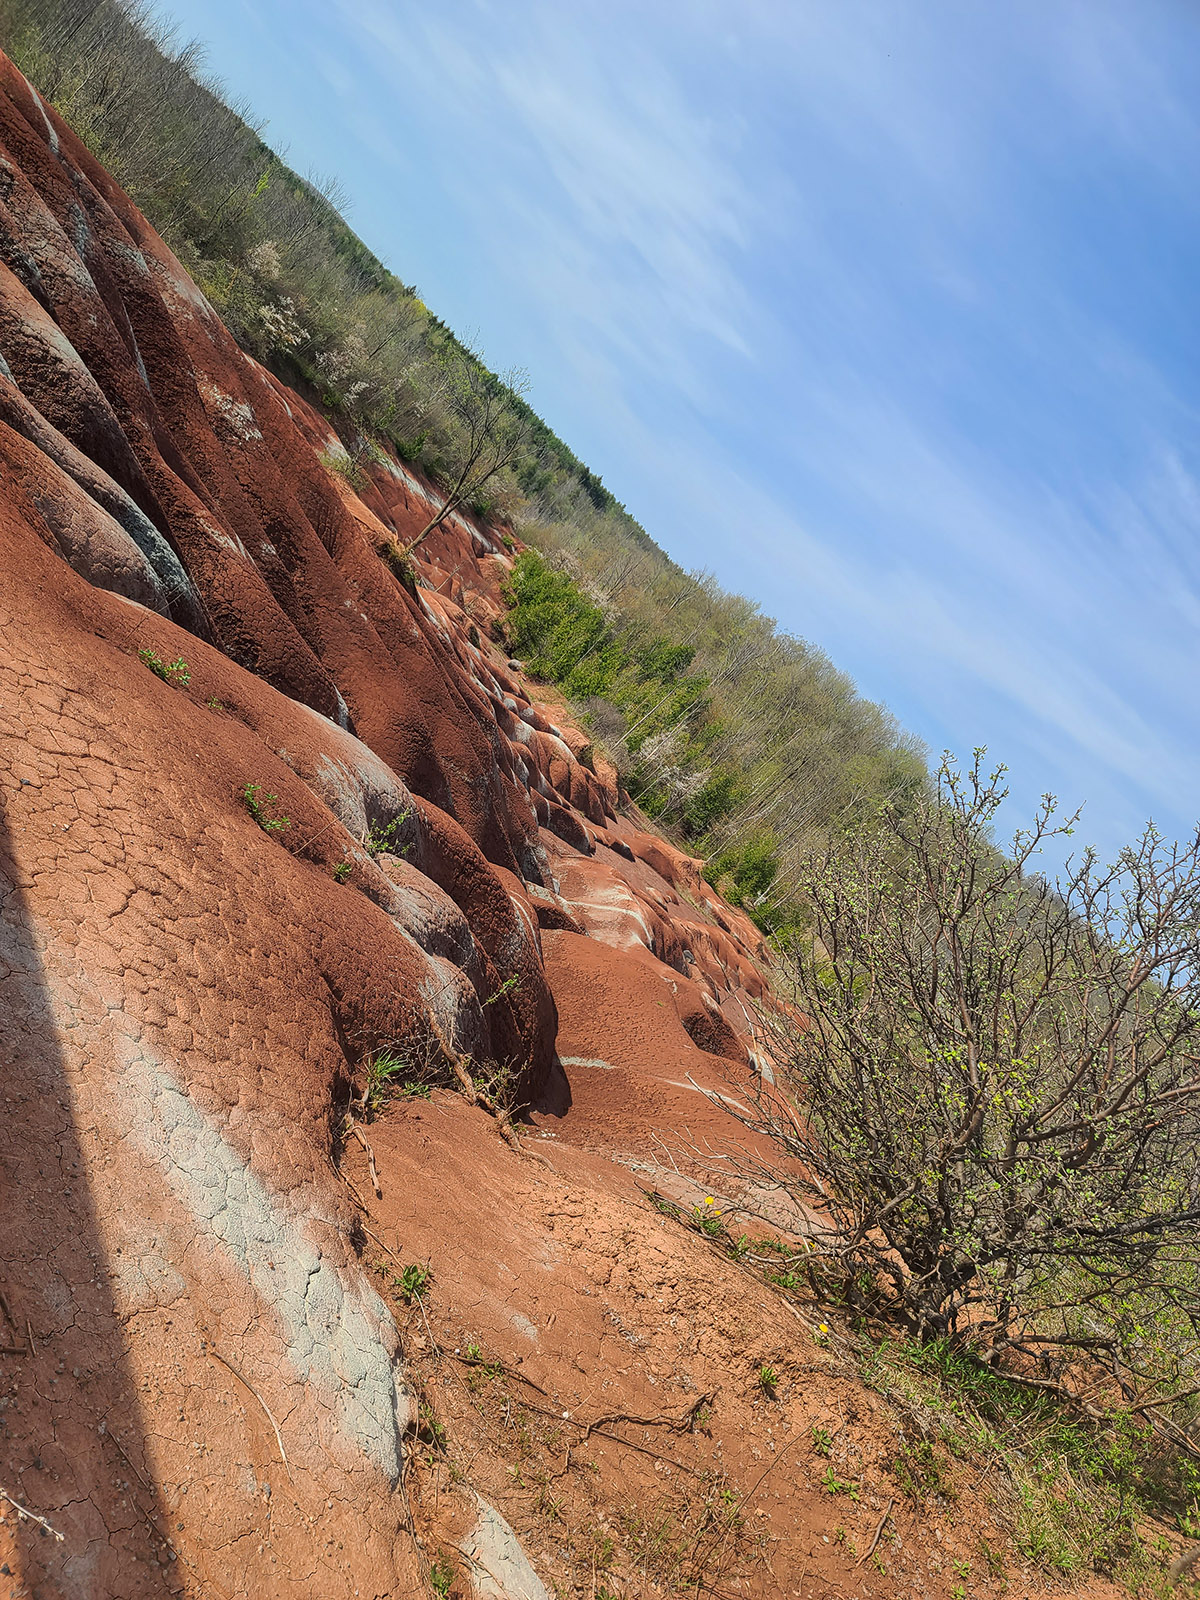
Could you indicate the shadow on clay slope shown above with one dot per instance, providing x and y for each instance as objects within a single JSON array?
[{"x": 72, "y": 1434}]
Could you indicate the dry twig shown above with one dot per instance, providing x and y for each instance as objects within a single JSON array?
[
  {"x": 870, "y": 1550},
  {"x": 216, "y": 1354},
  {"x": 30, "y": 1516},
  {"x": 365, "y": 1142}
]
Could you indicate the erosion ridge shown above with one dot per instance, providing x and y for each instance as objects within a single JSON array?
[{"x": 214, "y": 1381}]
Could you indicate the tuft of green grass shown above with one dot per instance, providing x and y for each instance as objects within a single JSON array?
[
  {"x": 832, "y": 1484},
  {"x": 920, "y": 1471},
  {"x": 1080, "y": 1494},
  {"x": 345, "y": 466},
  {"x": 268, "y": 820},
  {"x": 175, "y": 672},
  {"x": 413, "y": 1282},
  {"x": 383, "y": 1070},
  {"x": 400, "y": 565},
  {"x": 768, "y": 1381},
  {"x": 343, "y": 870}
]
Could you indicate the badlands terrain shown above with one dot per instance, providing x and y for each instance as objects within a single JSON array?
[{"x": 304, "y": 889}]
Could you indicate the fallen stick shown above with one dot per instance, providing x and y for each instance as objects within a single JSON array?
[
  {"x": 687, "y": 1420},
  {"x": 601, "y": 1433},
  {"x": 30, "y": 1516},
  {"x": 358, "y": 1199},
  {"x": 479, "y": 1097},
  {"x": 762, "y": 1477},
  {"x": 216, "y": 1354},
  {"x": 362, "y": 1139},
  {"x": 383, "y": 1246},
  {"x": 870, "y": 1550}
]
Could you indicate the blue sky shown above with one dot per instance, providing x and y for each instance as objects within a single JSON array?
[{"x": 885, "y": 312}]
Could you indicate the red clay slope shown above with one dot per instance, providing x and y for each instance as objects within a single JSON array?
[{"x": 203, "y": 1389}]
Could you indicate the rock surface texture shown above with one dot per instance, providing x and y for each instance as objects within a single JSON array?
[{"x": 213, "y": 1382}]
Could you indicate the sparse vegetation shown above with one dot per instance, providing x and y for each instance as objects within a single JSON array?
[
  {"x": 413, "y": 1282},
  {"x": 383, "y": 840},
  {"x": 342, "y": 871},
  {"x": 400, "y": 564},
  {"x": 832, "y": 1484},
  {"x": 1081, "y": 1493},
  {"x": 262, "y": 808},
  {"x": 441, "y": 1577},
  {"x": 174, "y": 672},
  {"x": 383, "y": 1070},
  {"x": 509, "y": 986}
]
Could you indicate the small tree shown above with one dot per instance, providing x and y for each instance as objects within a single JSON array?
[
  {"x": 492, "y": 423},
  {"x": 997, "y": 1088}
]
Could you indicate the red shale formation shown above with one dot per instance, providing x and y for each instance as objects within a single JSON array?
[{"x": 213, "y": 1380}]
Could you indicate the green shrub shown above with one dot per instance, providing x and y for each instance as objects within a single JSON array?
[
  {"x": 174, "y": 672},
  {"x": 263, "y": 809}
]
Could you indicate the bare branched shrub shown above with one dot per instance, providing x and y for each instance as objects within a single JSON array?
[
  {"x": 995, "y": 1087},
  {"x": 491, "y": 423}
]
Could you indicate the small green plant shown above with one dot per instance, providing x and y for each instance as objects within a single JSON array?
[
  {"x": 707, "y": 1217},
  {"x": 343, "y": 870},
  {"x": 822, "y": 1441},
  {"x": 962, "y": 1568},
  {"x": 267, "y": 820},
  {"x": 174, "y": 672},
  {"x": 429, "y": 1429},
  {"x": 413, "y": 1282},
  {"x": 839, "y": 1535},
  {"x": 919, "y": 1471},
  {"x": 768, "y": 1381},
  {"x": 415, "y": 1091},
  {"x": 474, "y": 1352},
  {"x": 214, "y": 704},
  {"x": 441, "y": 1577},
  {"x": 832, "y": 1484},
  {"x": 507, "y": 987},
  {"x": 382, "y": 1069},
  {"x": 784, "y": 1280},
  {"x": 993, "y": 1560},
  {"x": 382, "y": 841}
]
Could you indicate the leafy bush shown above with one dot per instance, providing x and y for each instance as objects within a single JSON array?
[{"x": 1002, "y": 1104}]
